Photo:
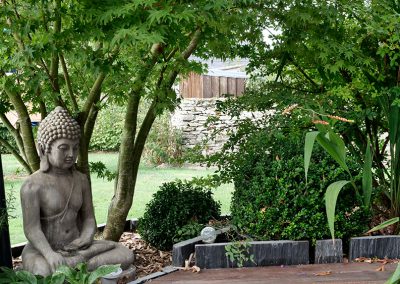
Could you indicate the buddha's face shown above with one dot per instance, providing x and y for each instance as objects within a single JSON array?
[{"x": 63, "y": 153}]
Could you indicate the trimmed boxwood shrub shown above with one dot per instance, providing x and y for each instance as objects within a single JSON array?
[
  {"x": 272, "y": 201},
  {"x": 175, "y": 205}
]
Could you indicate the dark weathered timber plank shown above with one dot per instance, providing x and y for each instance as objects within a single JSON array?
[
  {"x": 327, "y": 251},
  {"x": 375, "y": 246},
  {"x": 339, "y": 273},
  {"x": 182, "y": 250},
  {"x": 263, "y": 252}
]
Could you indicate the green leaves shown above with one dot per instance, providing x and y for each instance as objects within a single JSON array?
[
  {"x": 308, "y": 147},
  {"x": 80, "y": 274},
  {"x": 384, "y": 224},
  {"x": 395, "y": 278},
  {"x": 331, "y": 196},
  {"x": 334, "y": 145},
  {"x": 331, "y": 142},
  {"x": 367, "y": 176}
]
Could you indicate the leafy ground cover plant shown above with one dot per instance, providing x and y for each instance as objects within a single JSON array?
[
  {"x": 64, "y": 274},
  {"x": 175, "y": 205}
]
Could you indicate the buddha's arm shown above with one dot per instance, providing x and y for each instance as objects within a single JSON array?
[
  {"x": 86, "y": 212},
  {"x": 31, "y": 221}
]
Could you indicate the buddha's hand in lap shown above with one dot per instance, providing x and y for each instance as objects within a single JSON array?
[
  {"x": 55, "y": 260},
  {"x": 78, "y": 244}
]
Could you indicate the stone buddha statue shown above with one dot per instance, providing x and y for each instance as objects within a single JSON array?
[{"x": 57, "y": 207}]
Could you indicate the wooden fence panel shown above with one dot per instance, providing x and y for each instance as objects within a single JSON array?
[
  {"x": 207, "y": 89},
  {"x": 223, "y": 86},
  {"x": 215, "y": 87},
  {"x": 204, "y": 86},
  {"x": 239, "y": 86},
  {"x": 232, "y": 86}
]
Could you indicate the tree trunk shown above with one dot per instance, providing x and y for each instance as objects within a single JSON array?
[
  {"x": 130, "y": 153},
  {"x": 26, "y": 129},
  {"x": 128, "y": 166}
]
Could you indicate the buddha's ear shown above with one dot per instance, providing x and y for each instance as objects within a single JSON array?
[{"x": 44, "y": 160}]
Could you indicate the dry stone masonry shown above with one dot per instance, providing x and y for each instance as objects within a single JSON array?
[{"x": 191, "y": 118}]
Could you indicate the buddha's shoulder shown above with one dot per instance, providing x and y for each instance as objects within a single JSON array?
[
  {"x": 34, "y": 182},
  {"x": 81, "y": 176}
]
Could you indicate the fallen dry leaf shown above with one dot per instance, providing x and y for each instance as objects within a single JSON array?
[
  {"x": 195, "y": 269},
  {"x": 324, "y": 273},
  {"x": 381, "y": 268}
]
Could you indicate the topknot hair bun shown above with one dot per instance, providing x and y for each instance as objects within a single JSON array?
[{"x": 57, "y": 124}]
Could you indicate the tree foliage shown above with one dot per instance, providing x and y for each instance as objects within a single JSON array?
[
  {"x": 339, "y": 58},
  {"x": 86, "y": 55}
]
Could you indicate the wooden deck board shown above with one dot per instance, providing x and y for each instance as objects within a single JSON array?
[{"x": 340, "y": 273}]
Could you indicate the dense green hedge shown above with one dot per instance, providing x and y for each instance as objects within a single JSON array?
[
  {"x": 272, "y": 201},
  {"x": 173, "y": 207}
]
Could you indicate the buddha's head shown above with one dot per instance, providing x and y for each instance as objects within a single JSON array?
[{"x": 58, "y": 140}]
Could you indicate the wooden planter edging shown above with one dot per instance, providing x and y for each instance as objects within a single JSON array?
[
  {"x": 375, "y": 246},
  {"x": 265, "y": 253},
  {"x": 181, "y": 251},
  {"x": 327, "y": 251}
]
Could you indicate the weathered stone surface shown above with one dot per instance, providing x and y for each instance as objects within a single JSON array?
[
  {"x": 375, "y": 246},
  {"x": 182, "y": 250},
  {"x": 327, "y": 251},
  {"x": 264, "y": 252},
  {"x": 191, "y": 116}
]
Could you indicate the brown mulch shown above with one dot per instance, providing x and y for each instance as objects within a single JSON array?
[{"x": 147, "y": 258}]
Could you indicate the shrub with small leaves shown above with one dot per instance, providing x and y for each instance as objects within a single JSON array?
[
  {"x": 188, "y": 231},
  {"x": 175, "y": 205}
]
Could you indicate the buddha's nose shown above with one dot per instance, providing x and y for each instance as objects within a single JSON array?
[{"x": 70, "y": 152}]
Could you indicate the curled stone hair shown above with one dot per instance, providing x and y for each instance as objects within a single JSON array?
[{"x": 57, "y": 124}]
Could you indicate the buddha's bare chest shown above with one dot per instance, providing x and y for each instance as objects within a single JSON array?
[{"x": 58, "y": 196}]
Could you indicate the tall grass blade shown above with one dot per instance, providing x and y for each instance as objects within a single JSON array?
[
  {"x": 338, "y": 144},
  {"x": 333, "y": 150},
  {"x": 331, "y": 196},
  {"x": 308, "y": 147},
  {"x": 367, "y": 176},
  {"x": 384, "y": 224}
]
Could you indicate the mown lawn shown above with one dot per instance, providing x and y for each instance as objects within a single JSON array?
[{"x": 149, "y": 180}]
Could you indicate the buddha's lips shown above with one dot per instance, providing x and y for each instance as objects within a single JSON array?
[{"x": 68, "y": 161}]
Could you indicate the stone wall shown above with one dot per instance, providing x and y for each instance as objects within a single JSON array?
[{"x": 191, "y": 116}]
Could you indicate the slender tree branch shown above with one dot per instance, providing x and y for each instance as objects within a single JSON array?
[
  {"x": 303, "y": 72},
  {"x": 90, "y": 123},
  {"x": 94, "y": 96},
  {"x": 68, "y": 81},
  {"x": 26, "y": 128},
  {"x": 19, "y": 158},
  {"x": 184, "y": 56},
  {"x": 42, "y": 105},
  {"x": 14, "y": 132}
]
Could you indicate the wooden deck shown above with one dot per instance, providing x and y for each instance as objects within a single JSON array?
[{"x": 319, "y": 273}]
